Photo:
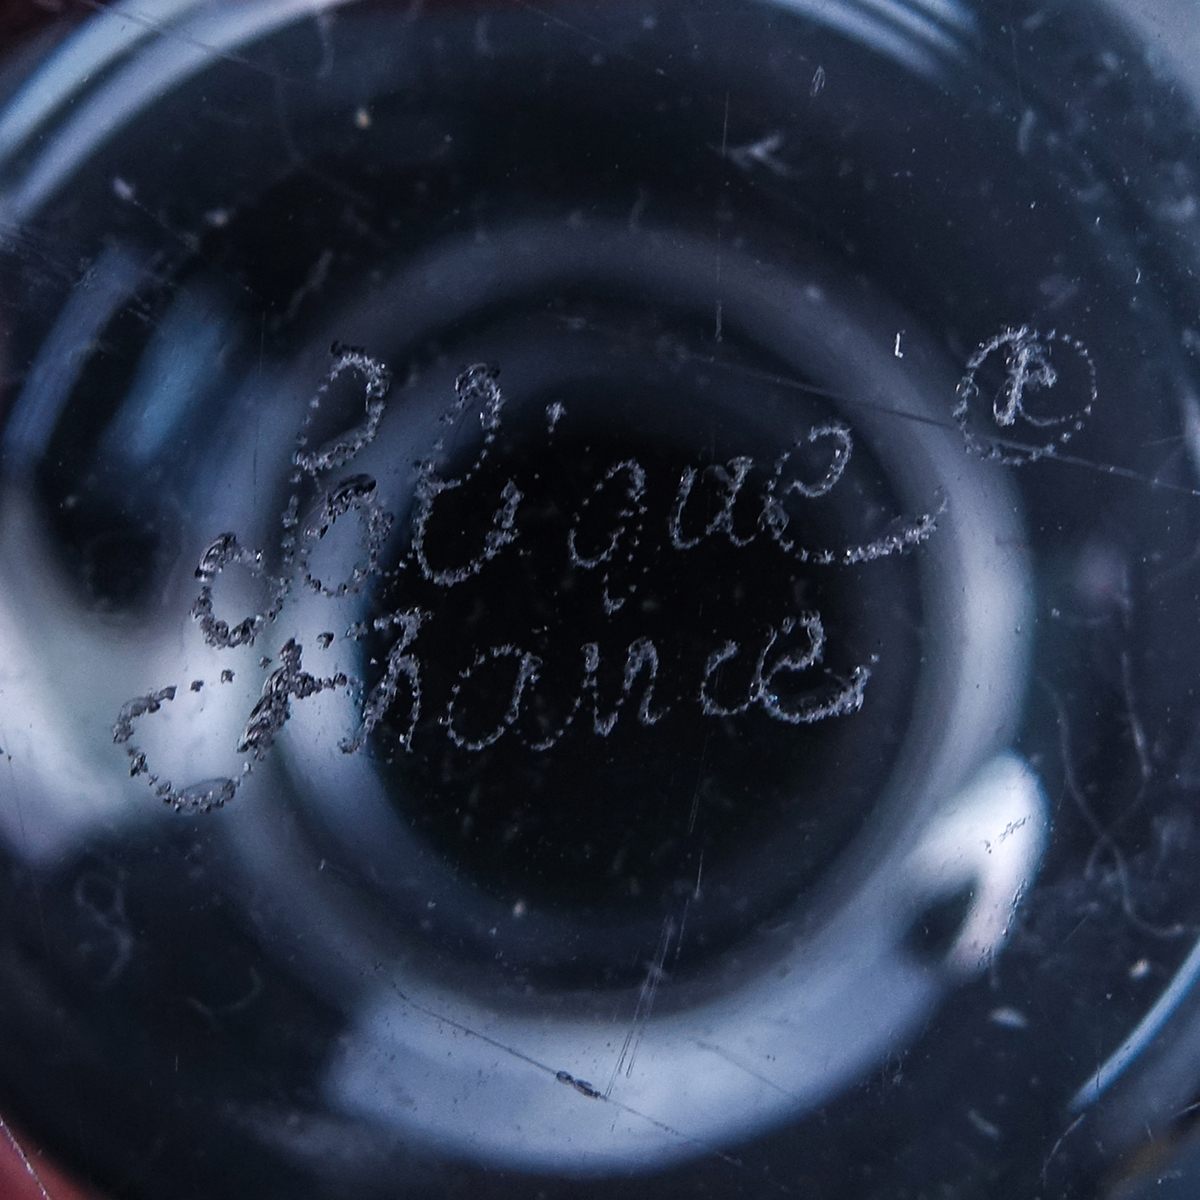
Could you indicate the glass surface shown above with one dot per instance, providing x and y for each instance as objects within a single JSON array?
[{"x": 600, "y": 599}]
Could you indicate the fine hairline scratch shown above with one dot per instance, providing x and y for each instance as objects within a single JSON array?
[
  {"x": 741, "y": 1066},
  {"x": 565, "y": 1077},
  {"x": 164, "y": 31}
]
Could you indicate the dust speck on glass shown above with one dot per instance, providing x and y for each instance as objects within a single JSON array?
[{"x": 601, "y": 598}]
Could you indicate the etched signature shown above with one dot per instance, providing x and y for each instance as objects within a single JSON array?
[{"x": 596, "y": 547}]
